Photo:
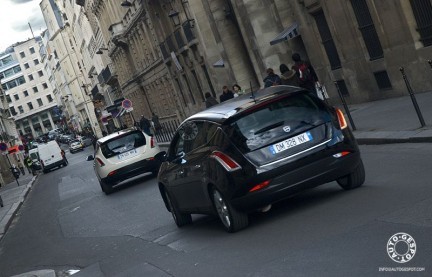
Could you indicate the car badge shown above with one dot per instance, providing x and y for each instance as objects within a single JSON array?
[{"x": 287, "y": 129}]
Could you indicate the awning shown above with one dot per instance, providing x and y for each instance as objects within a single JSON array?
[
  {"x": 219, "y": 63},
  {"x": 288, "y": 33}
]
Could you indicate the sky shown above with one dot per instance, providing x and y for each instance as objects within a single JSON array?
[{"x": 14, "y": 18}]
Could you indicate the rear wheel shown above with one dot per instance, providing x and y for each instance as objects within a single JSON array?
[
  {"x": 232, "y": 219},
  {"x": 108, "y": 189},
  {"x": 180, "y": 218},
  {"x": 355, "y": 179}
]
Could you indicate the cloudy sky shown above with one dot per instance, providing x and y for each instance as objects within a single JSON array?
[{"x": 14, "y": 18}]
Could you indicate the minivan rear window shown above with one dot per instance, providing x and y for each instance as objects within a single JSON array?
[
  {"x": 277, "y": 120},
  {"x": 122, "y": 144}
]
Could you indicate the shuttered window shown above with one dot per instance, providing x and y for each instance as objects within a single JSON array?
[
  {"x": 367, "y": 29},
  {"x": 327, "y": 40},
  {"x": 422, "y": 10}
]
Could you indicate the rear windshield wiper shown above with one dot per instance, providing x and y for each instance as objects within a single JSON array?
[{"x": 269, "y": 127}]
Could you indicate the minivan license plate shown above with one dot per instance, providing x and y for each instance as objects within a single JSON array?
[
  {"x": 127, "y": 154},
  {"x": 290, "y": 143}
]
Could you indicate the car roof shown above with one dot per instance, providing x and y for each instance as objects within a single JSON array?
[
  {"x": 116, "y": 134},
  {"x": 223, "y": 111}
]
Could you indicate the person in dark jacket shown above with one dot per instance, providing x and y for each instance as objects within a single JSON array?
[
  {"x": 145, "y": 125},
  {"x": 210, "y": 100},
  {"x": 271, "y": 79},
  {"x": 288, "y": 76},
  {"x": 226, "y": 94},
  {"x": 305, "y": 73}
]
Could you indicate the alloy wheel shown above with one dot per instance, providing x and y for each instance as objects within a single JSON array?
[{"x": 222, "y": 209}]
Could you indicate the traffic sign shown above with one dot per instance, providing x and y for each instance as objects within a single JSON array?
[{"x": 126, "y": 104}]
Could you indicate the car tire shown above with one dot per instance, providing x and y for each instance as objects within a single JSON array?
[
  {"x": 232, "y": 219},
  {"x": 107, "y": 188},
  {"x": 181, "y": 219},
  {"x": 355, "y": 179}
]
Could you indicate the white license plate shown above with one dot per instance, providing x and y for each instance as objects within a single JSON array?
[
  {"x": 127, "y": 154},
  {"x": 290, "y": 143}
]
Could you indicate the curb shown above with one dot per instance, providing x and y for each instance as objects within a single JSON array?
[
  {"x": 378, "y": 141},
  {"x": 10, "y": 215}
]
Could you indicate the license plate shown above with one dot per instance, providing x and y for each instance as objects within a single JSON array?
[
  {"x": 127, "y": 154},
  {"x": 290, "y": 143}
]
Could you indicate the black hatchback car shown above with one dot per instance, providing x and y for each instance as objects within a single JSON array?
[{"x": 254, "y": 150}]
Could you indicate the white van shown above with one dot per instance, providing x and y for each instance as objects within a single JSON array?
[{"x": 50, "y": 156}]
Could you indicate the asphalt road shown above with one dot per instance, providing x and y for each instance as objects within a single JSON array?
[{"x": 68, "y": 223}]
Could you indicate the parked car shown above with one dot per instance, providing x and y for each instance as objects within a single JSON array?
[
  {"x": 254, "y": 150},
  {"x": 123, "y": 155},
  {"x": 75, "y": 146},
  {"x": 85, "y": 141}
]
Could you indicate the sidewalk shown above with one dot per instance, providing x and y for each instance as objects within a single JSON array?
[
  {"x": 13, "y": 196},
  {"x": 393, "y": 120}
]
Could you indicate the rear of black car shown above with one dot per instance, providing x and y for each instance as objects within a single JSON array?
[{"x": 290, "y": 142}]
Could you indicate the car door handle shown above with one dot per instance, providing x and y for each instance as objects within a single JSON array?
[
  {"x": 197, "y": 166},
  {"x": 181, "y": 172}
]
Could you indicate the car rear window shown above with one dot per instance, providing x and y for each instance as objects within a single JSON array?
[
  {"x": 277, "y": 120},
  {"x": 122, "y": 144}
]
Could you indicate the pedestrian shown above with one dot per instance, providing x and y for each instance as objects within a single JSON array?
[
  {"x": 63, "y": 153},
  {"x": 210, "y": 100},
  {"x": 226, "y": 94},
  {"x": 145, "y": 125},
  {"x": 237, "y": 90},
  {"x": 156, "y": 123},
  {"x": 288, "y": 76},
  {"x": 272, "y": 79},
  {"x": 21, "y": 167},
  {"x": 305, "y": 73}
]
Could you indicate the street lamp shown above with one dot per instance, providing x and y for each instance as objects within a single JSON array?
[{"x": 99, "y": 52}]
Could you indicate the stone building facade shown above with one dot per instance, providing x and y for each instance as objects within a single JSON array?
[{"x": 164, "y": 55}]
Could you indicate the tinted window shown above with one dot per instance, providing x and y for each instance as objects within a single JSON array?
[
  {"x": 277, "y": 120},
  {"x": 123, "y": 143}
]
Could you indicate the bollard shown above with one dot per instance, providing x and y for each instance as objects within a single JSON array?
[
  {"x": 345, "y": 106},
  {"x": 413, "y": 99}
]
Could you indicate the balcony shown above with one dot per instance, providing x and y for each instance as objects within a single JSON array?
[{"x": 106, "y": 76}]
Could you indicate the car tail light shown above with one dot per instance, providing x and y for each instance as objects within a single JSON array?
[
  {"x": 152, "y": 142},
  {"x": 101, "y": 163},
  {"x": 341, "y": 154},
  {"x": 112, "y": 173},
  {"x": 260, "y": 186},
  {"x": 341, "y": 118},
  {"x": 226, "y": 161}
]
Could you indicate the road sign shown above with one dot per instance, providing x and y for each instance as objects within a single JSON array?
[
  {"x": 126, "y": 104},
  {"x": 3, "y": 146}
]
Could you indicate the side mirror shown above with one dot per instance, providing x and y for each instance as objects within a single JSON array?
[{"x": 90, "y": 158}]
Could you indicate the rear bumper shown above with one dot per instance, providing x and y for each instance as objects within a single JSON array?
[
  {"x": 133, "y": 170},
  {"x": 293, "y": 181},
  {"x": 53, "y": 165}
]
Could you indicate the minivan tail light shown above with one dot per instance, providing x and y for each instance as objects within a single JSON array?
[
  {"x": 341, "y": 118},
  {"x": 226, "y": 161},
  {"x": 101, "y": 163},
  {"x": 152, "y": 142}
]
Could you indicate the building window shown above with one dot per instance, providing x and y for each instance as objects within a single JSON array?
[
  {"x": 22, "y": 54},
  {"x": 12, "y": 110},
  {"x": 39, "y": 102},
  {"x": 49, "y": 97},
  {"x": 367, "y": 29},
  {"x": 342, "y": 87},
  {"x": 30, "y": 76},
  {"x": 36, "y": 61},
  {"x": 327, "y": 40},
  {"x": 30, "y": 105},
  {"x": 16, "y": 96},
  {"x": 26, "y": 93},
  {"x": 35, "y": 89},
  {"x": 383, "y": 80},
  {"x": 32, "y": 51},
  {"x": 422, "y": 10},
  {"x": 40, "y": 73},
  {"x": 8, "y": 99},
  {"x": 20, "y": 109},
  {"x": 26, "y": 66},
  {"x": 44, "y": 85}
]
